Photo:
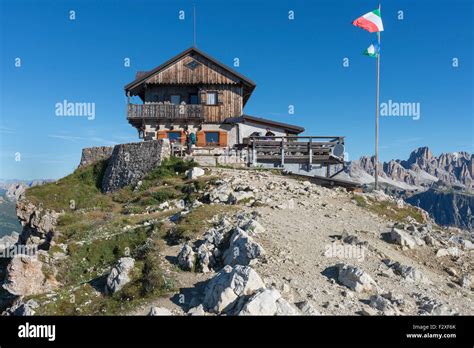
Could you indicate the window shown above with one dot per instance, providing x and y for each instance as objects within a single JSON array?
[
  {"x": 212, "y": 138},
  {"x": 174, "y": 137},
  {"x": 211, "y": 98},
  {"x": 175, "y": 99},
  {"x": 193, "y": 99}
]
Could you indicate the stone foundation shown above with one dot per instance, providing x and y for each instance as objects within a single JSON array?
[
  {"x": 94, "y": 154},
  {"x": 129, "y": 163}
]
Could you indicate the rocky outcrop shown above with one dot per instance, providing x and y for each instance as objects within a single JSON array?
[
  {"x": 26, "y": 276},
  {"x": 226, "y": 243},
  {"x": 95, "y": 154},
  {"x": 119, "y": 276},
  {"x": 39, "y": 224},
  {"x": 131, "y": 162},
  {"x": 16, "y": 191},
  {"x": 223, "y": 292},
  {"x": 20, "y": 308}
]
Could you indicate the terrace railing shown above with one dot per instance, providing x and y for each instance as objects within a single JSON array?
[{"x": 165, "y": 111}]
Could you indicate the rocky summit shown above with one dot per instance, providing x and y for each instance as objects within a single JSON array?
[{"x": 178, "y": 239}]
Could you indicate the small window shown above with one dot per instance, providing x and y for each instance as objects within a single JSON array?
[
  {"x": 212, "y": 138},
  {"x": 175, "y": 99},
  {"x": 174, "y": 137},
  {"x": 193, "y": 99},
  {"x": 211, "y": 98}
]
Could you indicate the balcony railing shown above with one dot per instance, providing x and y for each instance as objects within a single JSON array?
[{"x": 165, "y": 111}]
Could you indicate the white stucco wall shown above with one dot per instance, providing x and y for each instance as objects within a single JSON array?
[{"x": 247, "y": 128}]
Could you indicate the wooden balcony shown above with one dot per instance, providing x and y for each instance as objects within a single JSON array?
[{"x": 165, "y": 112}]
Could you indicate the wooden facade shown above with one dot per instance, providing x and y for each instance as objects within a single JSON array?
[{"x": 190, "y": 79}]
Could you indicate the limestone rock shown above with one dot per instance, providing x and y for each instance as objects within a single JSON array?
[
  {"x": 242, "y": 249},
  {"x": 119, "y": 276},
  {"x": 224, "y": 289},
  {"x": 405, "y": 239},
  {"x": 25, "y": 277},
  {"x": 20, "y": 308},
  {"x": 267, "y": 302},
  {"x": 195, "y": 173},
  {"x": 186, "y": 257},
  {"x": 355, "y": 278}
]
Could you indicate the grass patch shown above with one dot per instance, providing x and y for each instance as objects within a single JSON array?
[
  {"x": 389, "y": 209},
  {"x": 79, "y": 190},
  {"x": 196, "y": 222}
]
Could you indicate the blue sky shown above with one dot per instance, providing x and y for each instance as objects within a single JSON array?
[{"x": 297, "y": 62}]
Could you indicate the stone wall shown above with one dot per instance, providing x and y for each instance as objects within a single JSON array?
[
  {"x": 94, "y": 154},
  {"x": 129, "y": 163}
]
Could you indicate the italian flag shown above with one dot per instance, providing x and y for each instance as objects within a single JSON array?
[{"x": 371, "y": 21}]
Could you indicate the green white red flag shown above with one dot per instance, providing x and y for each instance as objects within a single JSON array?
[{"x": 372, "y": 21}]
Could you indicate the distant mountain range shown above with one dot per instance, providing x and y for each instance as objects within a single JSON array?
[
  {"x": 419, "y": 172},
  {"x": 442, "y": 185}
]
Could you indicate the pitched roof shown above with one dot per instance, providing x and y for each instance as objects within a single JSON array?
[
  {"x": 142, "y": 76},
  {"x": 242, "y": 119}
]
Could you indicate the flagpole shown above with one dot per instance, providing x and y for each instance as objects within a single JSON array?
[{"x": 377, "y": 107}]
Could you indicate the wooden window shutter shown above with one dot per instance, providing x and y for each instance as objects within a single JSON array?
[
  {"x": 162, "y": 134},
  {"x": 200, "y": 139},
  {"x": 223, "y": 138},
  {"x": 220, "y": 97}
]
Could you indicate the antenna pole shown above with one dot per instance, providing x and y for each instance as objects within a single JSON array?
[{"x": 194, "y": 27}]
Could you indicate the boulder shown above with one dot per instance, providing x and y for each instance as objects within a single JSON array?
[
  {"x": 205, "y": 255},
  {"x": 242, "y": 249},
  {"x": 186, "y": 257},
  {"x": 224, "y": 289},
  {"x": 194, "y": 173},
  {"x": 119, "y": 276},
  {"x": 355, "y": 278},
  {"x": 267, "y": 302},
  {"x": 405, "y": 239},
  {"x": 220, "y": 194}
]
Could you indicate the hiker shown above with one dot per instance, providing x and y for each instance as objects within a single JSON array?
[{"x": 190, "y": 141}]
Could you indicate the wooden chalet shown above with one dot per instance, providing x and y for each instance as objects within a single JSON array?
[{"x": 195, "y": 92}]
